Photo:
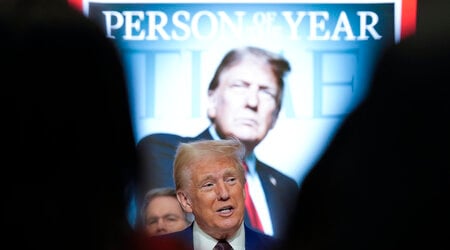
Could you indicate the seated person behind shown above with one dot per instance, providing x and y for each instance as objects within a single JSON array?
[
  {"x": 161, "y": 212},
  {"x": 209, "y": 179}
]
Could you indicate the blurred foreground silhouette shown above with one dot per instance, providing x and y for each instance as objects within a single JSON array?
[
  {"x": 67, "y": 142},
  {"x": 384, "y": 181}
]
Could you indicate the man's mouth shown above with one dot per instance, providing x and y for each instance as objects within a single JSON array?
[
  {"x": 225, "y": 210},
  {"x": 248, "y": 122}
]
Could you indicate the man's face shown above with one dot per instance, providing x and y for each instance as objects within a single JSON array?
[
  {"x": 216, "y": 197},
  {"x": 244, "y": 104},
  {"x": 164, "y": 215}
]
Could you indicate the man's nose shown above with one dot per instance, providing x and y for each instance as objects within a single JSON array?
[
  {"x": 252, "y": 97},
  {"x": 161, "y": 223},
  {"x": 222, "y": 191}
]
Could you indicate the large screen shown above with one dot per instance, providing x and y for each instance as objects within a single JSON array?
[{"x": 171, "y": 50}]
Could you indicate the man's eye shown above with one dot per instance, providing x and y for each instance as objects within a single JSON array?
[
  {"x": 172, "y": 218},
  {"x": 208, "y": 185},
  {"x": 267, "y": 93},
  {"x": 150, "y": 222},
  {"x": 231, "y": 179},
  {"x": 238, "y": 84},
  {"x": 239, "y": 87}
]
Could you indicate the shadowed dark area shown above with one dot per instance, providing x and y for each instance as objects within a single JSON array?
[
  {"x": 384, "y": 181},
  {"x": 67, "y": 142}
]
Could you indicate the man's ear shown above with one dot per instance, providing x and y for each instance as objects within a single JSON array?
[
  {"x": 185, "y": 201},
  {"x": 212, "y": 104}
]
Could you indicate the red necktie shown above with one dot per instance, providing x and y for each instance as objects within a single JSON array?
[{"x": 251, "y": 210}]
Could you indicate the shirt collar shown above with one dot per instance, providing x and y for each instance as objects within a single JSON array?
[{"x": 203, "y": 241}]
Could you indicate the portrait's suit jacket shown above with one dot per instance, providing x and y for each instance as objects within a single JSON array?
[
  {"x": 183, "y": 240},
  {"x": 157, "y": 153}
]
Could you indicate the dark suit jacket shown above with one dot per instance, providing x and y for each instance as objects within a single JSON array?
[
  {"x": 157, "y": 152},
  {"x": 183, "y": 240}
]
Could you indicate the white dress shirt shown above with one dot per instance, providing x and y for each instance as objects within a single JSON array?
[{"x": 202, "y": 241}]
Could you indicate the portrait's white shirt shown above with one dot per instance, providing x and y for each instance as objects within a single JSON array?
[
  {"x": 256, "y": 190},
  {"x": 203, "y": 241},
  {"x": 257, "y": 193}
]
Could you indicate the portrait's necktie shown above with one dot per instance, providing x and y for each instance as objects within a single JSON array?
[
  {"x": 222, "y": 245},
  {"x": 250, "y": 207}
]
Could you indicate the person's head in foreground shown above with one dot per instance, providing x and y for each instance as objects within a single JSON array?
[{"x": 209, "y": 181}]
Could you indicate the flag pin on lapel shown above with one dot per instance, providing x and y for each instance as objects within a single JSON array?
[{"x": 273, "y": 180}]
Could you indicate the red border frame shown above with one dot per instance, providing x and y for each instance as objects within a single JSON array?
[
  {"x": 409, "y": 16},
  {"x": 77, "y": 4}
]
